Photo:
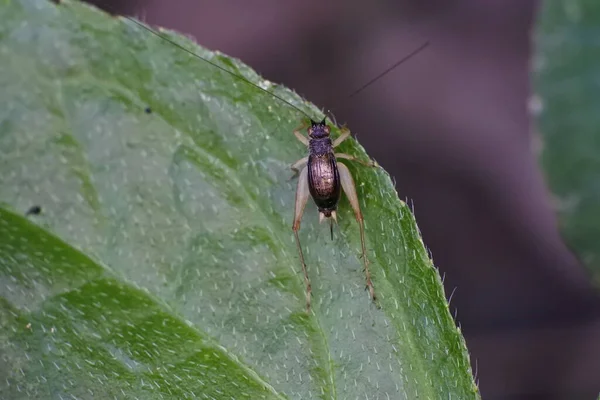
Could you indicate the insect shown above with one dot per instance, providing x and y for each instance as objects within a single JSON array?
[
  {"x": 323, "y": 178},
  {"x": 320, "y": 176}
]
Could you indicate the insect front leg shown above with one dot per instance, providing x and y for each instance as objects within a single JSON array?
[
  {"x": 297, "y": 166},
  {"x": 302, "y": 194},
  {"x": 343, "y": 136},
  {"x": 299, "y": 135},
  {"x": 350, "y": 190}
]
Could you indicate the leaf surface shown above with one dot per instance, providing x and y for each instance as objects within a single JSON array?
[{"x": 162, "y": 263}]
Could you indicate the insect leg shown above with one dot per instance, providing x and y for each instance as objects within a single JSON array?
[
  {"x": 350, "y": 190},
  {"x": 297, "y": 165},
  {"x": 344, "y": 135},
  {"x": 302, "y": 193},
  {"x": 299, "y": 134},
  {"x": 370, "y": 163}
]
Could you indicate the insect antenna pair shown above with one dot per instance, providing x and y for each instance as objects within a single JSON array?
[{"x": 320, "y": 175}]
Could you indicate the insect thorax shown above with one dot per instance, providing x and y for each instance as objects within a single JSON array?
[{"x": 320, "y": 146}]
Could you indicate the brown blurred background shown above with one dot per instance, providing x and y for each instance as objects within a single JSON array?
[{"x": 452, "y": 126}]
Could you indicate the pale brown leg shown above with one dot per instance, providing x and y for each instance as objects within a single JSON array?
[
  {"x": 343, "y": 136},
  {"x": 297, "y": 165},
  {"x": 350, "y": 190},
  {"x": 299, "y": 134},
  {"x": 302, "y": 193},
  {"x": 370, "y": 163}
]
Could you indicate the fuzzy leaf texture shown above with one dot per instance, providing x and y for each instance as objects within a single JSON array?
[
  {"x": 161, "y": 263},
  {"x": 567, "y": 81}
]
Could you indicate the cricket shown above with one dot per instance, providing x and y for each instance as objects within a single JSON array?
[
  {"x": 320, "y": 175},
  {"x": 323, "y": 178}
]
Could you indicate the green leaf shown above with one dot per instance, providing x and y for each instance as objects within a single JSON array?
[
  {"x": 567, "y": 80},
  {"x": 162, "y": 263}
]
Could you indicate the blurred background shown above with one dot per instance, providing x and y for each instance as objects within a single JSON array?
[{"x": 454, "y": 127}]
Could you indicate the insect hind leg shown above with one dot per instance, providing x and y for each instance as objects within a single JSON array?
[
  {"x": 350, "y": 190},
  {"x": 302, "y": 194}
]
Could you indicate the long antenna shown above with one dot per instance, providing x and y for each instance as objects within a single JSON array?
[
  {"x": 236, "y": 76},
  {"x": 140, "y": 24},
  {"x": 390, "y": 69}
]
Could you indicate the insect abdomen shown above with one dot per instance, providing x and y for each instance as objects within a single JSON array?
[{"x": 324, "y": 182}]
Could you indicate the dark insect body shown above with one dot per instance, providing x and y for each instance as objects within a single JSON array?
[
  {"x": 320, "y": 175},
  {"x": 34, "y": 210},
  {"x": 323, "y": 175}
]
